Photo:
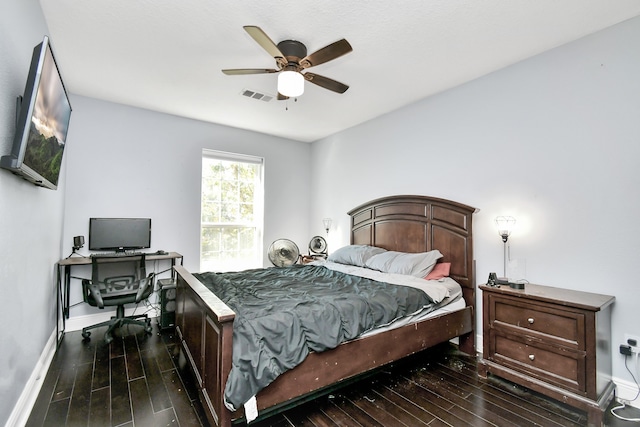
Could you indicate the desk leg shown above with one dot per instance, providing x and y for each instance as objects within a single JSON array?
[
  {"x": 173, "y": 264},
  {"x": 67, "y": 289}
]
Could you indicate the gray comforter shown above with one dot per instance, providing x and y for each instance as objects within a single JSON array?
[{"x": 282, "y": 314}]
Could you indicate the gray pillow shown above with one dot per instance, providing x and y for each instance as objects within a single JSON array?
[
  {"x": 418, "y": 265},
  {"x": 354, "y": 254}
]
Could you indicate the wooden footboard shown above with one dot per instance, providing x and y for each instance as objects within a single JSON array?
[{"x": 204, "y": 325}]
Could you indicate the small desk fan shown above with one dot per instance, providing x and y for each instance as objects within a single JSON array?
[
  {"x": 318, "y": 246},
  {"x": 283, "y": 253}
]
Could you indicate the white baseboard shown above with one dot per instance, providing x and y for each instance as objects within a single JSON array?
[
  {"x": 625, "y": 391},
  {"x": 22, "y": 410}
]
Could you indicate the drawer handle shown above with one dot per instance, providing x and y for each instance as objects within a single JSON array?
[
  {"x": 531, "y": 320},
  {"x": 532, "y": 357}
]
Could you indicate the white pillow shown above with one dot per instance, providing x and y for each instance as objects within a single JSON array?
[
  {"x": 418, "y": 265},
  {"x": 354, "y": 254}
]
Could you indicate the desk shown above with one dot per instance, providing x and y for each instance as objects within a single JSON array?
[{"x": 64, "y": 282}]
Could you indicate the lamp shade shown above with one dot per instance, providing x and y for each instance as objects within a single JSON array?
[
  {"x": 290, "y": 83},
  {"x": 327, "y": 223},
  {"x": 505, "y": 225}
]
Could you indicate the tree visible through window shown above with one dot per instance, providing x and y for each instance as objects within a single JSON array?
[{"x": 231, "y": 212}]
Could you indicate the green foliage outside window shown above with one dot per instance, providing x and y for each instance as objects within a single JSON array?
[{"x": 229, "y": 214}]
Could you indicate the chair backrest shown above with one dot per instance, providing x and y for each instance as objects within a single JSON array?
[{"x": 118, "y": 276}]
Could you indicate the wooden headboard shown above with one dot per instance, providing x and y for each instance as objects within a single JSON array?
[{"x": 420, "y": 224}]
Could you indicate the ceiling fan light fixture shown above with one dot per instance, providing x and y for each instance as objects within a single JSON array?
[{"x": 290, "y": 83}]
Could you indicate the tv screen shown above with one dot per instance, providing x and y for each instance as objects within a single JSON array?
[
  {"x": 119, "y": 234},
  {"x": 42, "y": 122}
]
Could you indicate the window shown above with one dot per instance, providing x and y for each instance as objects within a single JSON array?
[{"x": 231, "y": 212}]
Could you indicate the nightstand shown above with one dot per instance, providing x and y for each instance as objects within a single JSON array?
[{"x": 551, "y": 340}]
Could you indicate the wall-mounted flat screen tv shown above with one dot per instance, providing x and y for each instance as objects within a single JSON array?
[
  {"x": 42, "y": 122},
  {"x": 119, "y": 234}
]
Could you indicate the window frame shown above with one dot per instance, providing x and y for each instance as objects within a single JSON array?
[{"x": 258, "y": 222}]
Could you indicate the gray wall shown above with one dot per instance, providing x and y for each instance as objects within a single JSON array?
[
  {"x": 129, "y": 162},
  {"x": 553, "y": 141},
  {"x": 30, "y": 218}
]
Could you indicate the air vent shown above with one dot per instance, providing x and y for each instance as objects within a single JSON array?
[{"x": 257, "y": 95}]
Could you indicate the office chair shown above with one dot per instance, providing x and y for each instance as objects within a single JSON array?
[{"x": 116, "y": 281}]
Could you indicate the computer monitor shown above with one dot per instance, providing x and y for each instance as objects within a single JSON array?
[{"x": 119, "y": 234}]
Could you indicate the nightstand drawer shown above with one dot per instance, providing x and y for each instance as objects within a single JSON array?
[
  {"x": 551, "y": 364},
  {"x": 567, "y": 326}
]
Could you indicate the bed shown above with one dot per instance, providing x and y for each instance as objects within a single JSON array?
[{"x": 411, "y": 224}]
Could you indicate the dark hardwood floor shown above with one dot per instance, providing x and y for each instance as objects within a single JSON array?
[{"x": 142, "y": 380}]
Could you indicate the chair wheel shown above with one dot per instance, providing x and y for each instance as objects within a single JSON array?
[{"x": 86, "y": 334}]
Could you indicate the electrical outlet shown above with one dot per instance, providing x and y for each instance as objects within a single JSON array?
[{"x": 630, "y": 340}]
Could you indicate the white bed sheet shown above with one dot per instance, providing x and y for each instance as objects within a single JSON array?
[
  {"x": 457, "y": 304},
  {"x": 446, "y": 292}
]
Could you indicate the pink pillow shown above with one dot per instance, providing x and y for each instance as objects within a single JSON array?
[{"x": 439, "y": 271}]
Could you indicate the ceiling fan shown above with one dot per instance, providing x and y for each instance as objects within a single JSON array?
[{"x": 291, "y": 59}]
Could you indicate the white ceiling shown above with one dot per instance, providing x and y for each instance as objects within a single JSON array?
[{"x": 166, "y": 55}]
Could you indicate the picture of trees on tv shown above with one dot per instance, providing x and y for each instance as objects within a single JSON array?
[
  {"x": 44, "y": 154},
  {"x": 43, "y": 121},
  {"x": 48, "y": 127}
]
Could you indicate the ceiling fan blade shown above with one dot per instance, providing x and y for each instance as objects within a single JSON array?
[
  {"x": 263, "y": 40},
  {"x": 326, "y": 82},
  {"x": 327, "y": 53},
  {"x": 240, "y": 71}
]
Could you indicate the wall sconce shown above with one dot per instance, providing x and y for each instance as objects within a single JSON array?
[
  {"x": 505, "y": 225},
  {"x": 327, "y": 224}
]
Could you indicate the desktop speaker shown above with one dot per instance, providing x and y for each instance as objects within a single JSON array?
[{"x": 167, "y": 303}]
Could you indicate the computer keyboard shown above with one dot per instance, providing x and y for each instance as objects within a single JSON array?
[{"x": 114, "y": 254}]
